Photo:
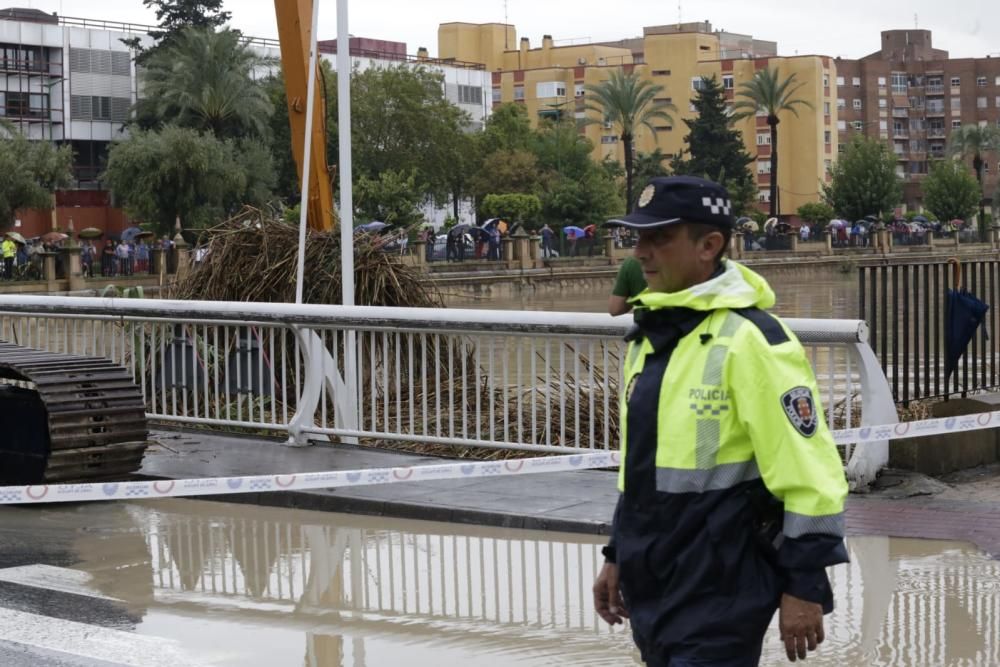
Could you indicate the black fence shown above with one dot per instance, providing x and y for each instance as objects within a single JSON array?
[{"x": 905, "y": 308}]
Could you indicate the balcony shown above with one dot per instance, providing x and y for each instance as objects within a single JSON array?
[
  {"x": 935, "y": 112},
  {"x": 900, "y": 134},
  {"x": 934, "y": 90},
  {"x": 937, "y": 133},
  {"x": 900, "y": 113}
]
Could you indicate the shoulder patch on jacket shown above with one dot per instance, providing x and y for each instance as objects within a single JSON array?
[{"x": 768, "y": 324}]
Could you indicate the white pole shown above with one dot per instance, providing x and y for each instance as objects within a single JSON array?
[
  {"x": 346, "y": 177},
  {"x": 351, "y": 379},
  {"x": 307, "y": 159}
]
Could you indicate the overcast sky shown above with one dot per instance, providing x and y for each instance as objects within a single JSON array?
[{"x": 847, "y": 28}]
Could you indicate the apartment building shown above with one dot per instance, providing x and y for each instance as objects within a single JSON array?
[
  {"x": 551, "y": 81},
  {"x": 912, "y": 96}
]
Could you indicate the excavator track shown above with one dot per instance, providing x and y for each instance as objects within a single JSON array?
[{"x": 67, "y": 418}]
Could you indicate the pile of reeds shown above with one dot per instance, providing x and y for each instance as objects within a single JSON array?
[{"x": 254, "y": 257}]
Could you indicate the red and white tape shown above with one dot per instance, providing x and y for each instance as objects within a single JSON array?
[{"x": 54, "y": 493}]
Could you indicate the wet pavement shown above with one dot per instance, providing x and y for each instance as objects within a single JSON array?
[
  {"x": 188, "y": 582},
  {"x": 580, "y": 502}
]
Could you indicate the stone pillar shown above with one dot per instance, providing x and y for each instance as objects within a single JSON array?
[
  {"x": 609, "y": 248},
  {"x": 419, "y": 252},
  {"x": 507, "y": 248},
  {"x": 49, "y": 270},
  {"x": 995, "y": 237},
  {"x": 183, "y": 253},
  {"x": 793, "y": 241},
  {"x": 929, "y": 238},
  {"x": 736, "y": 246},
  {"x": 158, "y": 261},
  {"x": 74, "y": 267},
  {"x": 827, "y": 242},
  {"x": 954, "y": 237},
  {"x": 522, "y": 250}
]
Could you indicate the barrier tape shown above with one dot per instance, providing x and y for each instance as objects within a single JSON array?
[{"x": 210, "y": 486}]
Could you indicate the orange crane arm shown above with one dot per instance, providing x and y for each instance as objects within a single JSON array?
[{"x": 294, "y": 33}]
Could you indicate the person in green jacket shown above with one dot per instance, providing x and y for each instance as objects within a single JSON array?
[
  {"x": 629, "y": 283},
  {"x": 732, "y": 489},
  {"x": 9, "y": 249}
]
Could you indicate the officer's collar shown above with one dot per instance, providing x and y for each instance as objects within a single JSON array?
[{"x": 664, "y": 326}]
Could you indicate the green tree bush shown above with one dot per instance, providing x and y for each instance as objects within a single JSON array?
[
  {"x": 950, "y": 191},
  {"x": 30, "y": 171},
  {"x": 864, "y": 180}
]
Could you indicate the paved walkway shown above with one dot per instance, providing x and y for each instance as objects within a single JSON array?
[{"x": 579, "y": 502}]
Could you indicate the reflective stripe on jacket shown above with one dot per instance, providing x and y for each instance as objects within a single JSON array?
[{"x": 732, "y": 487}]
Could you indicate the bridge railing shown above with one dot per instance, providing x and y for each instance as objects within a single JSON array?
[{"x": 529, "y": 381}]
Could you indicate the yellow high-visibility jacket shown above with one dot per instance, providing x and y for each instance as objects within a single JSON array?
[{"x": 732, "y": 488}]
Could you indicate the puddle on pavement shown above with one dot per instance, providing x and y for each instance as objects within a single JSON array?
[{"x": 244, "y": 585}]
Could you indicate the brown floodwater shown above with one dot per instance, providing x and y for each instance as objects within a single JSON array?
[
  {"x": 821, "y": 298},
  {"x": 243, "y": 585}
]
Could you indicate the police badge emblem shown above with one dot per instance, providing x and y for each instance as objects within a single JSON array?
[
  {"x": 800, "y": 410},
  {"x": 647, "y": 196}
]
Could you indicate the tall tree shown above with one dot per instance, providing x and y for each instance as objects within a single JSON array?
[
  {"x": 973, "y": 142},
  {"x": 864, "y": 180},
  {"x": 769, "y": 94},
  {"x": 950, "y": 192},
  {"x": 173, "y": 17},
  {"x": 628, "y": 102},
  {"x": 204, "y": 80},
  {"x": 178, "y": 172},
  {"x": 30, "y": 171}
]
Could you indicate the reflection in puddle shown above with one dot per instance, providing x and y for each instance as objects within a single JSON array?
[{"x": 240, "y": 585}]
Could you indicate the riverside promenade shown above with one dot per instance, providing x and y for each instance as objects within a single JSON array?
[{"x": 963, "y": 507}]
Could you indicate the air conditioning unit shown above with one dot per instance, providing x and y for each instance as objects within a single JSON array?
[
  {"x": 602, "y": 61},
  {"x": 581, "y": 61}
]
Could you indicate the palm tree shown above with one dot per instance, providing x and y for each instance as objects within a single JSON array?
[
  {"x": 767, "y": 93},
  {"x": 204, "y": 80},
  {"x": 972, "y": 141},
  {"x": 628, "y": 102}
]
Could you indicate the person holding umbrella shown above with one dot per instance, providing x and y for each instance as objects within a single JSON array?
[{"x": 732, "y": 489}]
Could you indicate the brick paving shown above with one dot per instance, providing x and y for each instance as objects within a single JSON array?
[{"x": 579, "y": 502}]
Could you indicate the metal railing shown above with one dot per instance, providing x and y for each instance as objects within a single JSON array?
[
  {"x": 530, "y": 381},
  {"x": 904, "y": 305}
]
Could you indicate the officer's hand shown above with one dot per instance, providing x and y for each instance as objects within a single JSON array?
[
  {"x": 608, "y": 597},
  {"x": 801, "y": 626}
]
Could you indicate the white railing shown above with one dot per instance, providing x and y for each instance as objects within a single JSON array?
[{"x": 530, "y": 381}]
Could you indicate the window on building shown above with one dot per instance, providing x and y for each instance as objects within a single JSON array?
[
  {"x": 856, "y": 81},
  {"x": 664, "y": 128},
  {"x": 696, "y": 83},
  {"x": 763, "y": 166},
  {"x": 548, "y": 89},
  {"x": 16, "y": 104},
  {"x": 841, "y": 125},
  {"x": 856, "y": 103},
  {"x": 982, "y": 123},
  {"x": 956, "y": 123},
  {"x": 981, "y": 102},
  {"x": 826, "y": 136},
  {"x": 663, "y": 100},
  {"x": 518, "y": 92},
  {"x": 579, "y": 90},
  {"x": 883, "y": 103},
  {"x": 996, "y": 102},
  {"x": 728, "y": 81},
  {"x": 470, "y": 94},
  {"x": 841, "y": 103},
  {"x": 692, "y": 107},
  {"x": 661, "y": 72},
  {"x": 828, "y": 164},
  {"x": 996, "y": 81},
  {"x": 826, "y": 80},
  {"x": 956, "y": 103},
  {"x": 858, "y": 125},
  {"x": 764, "y": 196},
  {"x": 497, "y": 96},
  {"x": 883, "y": 125},
  {"x": 956, "y": 81},
  {"x": 763, "y": 138},
  {"x": 609, "y": 139},
  {"x": 841, "y": 148},
  {"x": 980, "y": 81},
  {"x": 881, "y": 82},
  {"x": 840, "y": 81},
  {"x": 899, "y": 83},
  {"x": 826, "y": 108}
]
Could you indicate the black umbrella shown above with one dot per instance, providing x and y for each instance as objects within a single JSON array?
[{"x": 963, "y": 315}]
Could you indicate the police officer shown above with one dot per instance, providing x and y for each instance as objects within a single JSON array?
[{"x": 732, "y": 490}]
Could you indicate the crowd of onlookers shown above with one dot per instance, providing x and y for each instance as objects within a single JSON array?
[{"x": 109, "y": 258}]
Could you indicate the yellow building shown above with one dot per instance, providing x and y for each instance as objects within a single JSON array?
[{"x": 551, "y": 80}]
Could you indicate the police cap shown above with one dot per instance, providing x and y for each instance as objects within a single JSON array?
[{"x": 672, "y": 200}]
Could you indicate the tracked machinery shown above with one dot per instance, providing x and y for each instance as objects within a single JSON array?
[{"x": 67, "y": 418}]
